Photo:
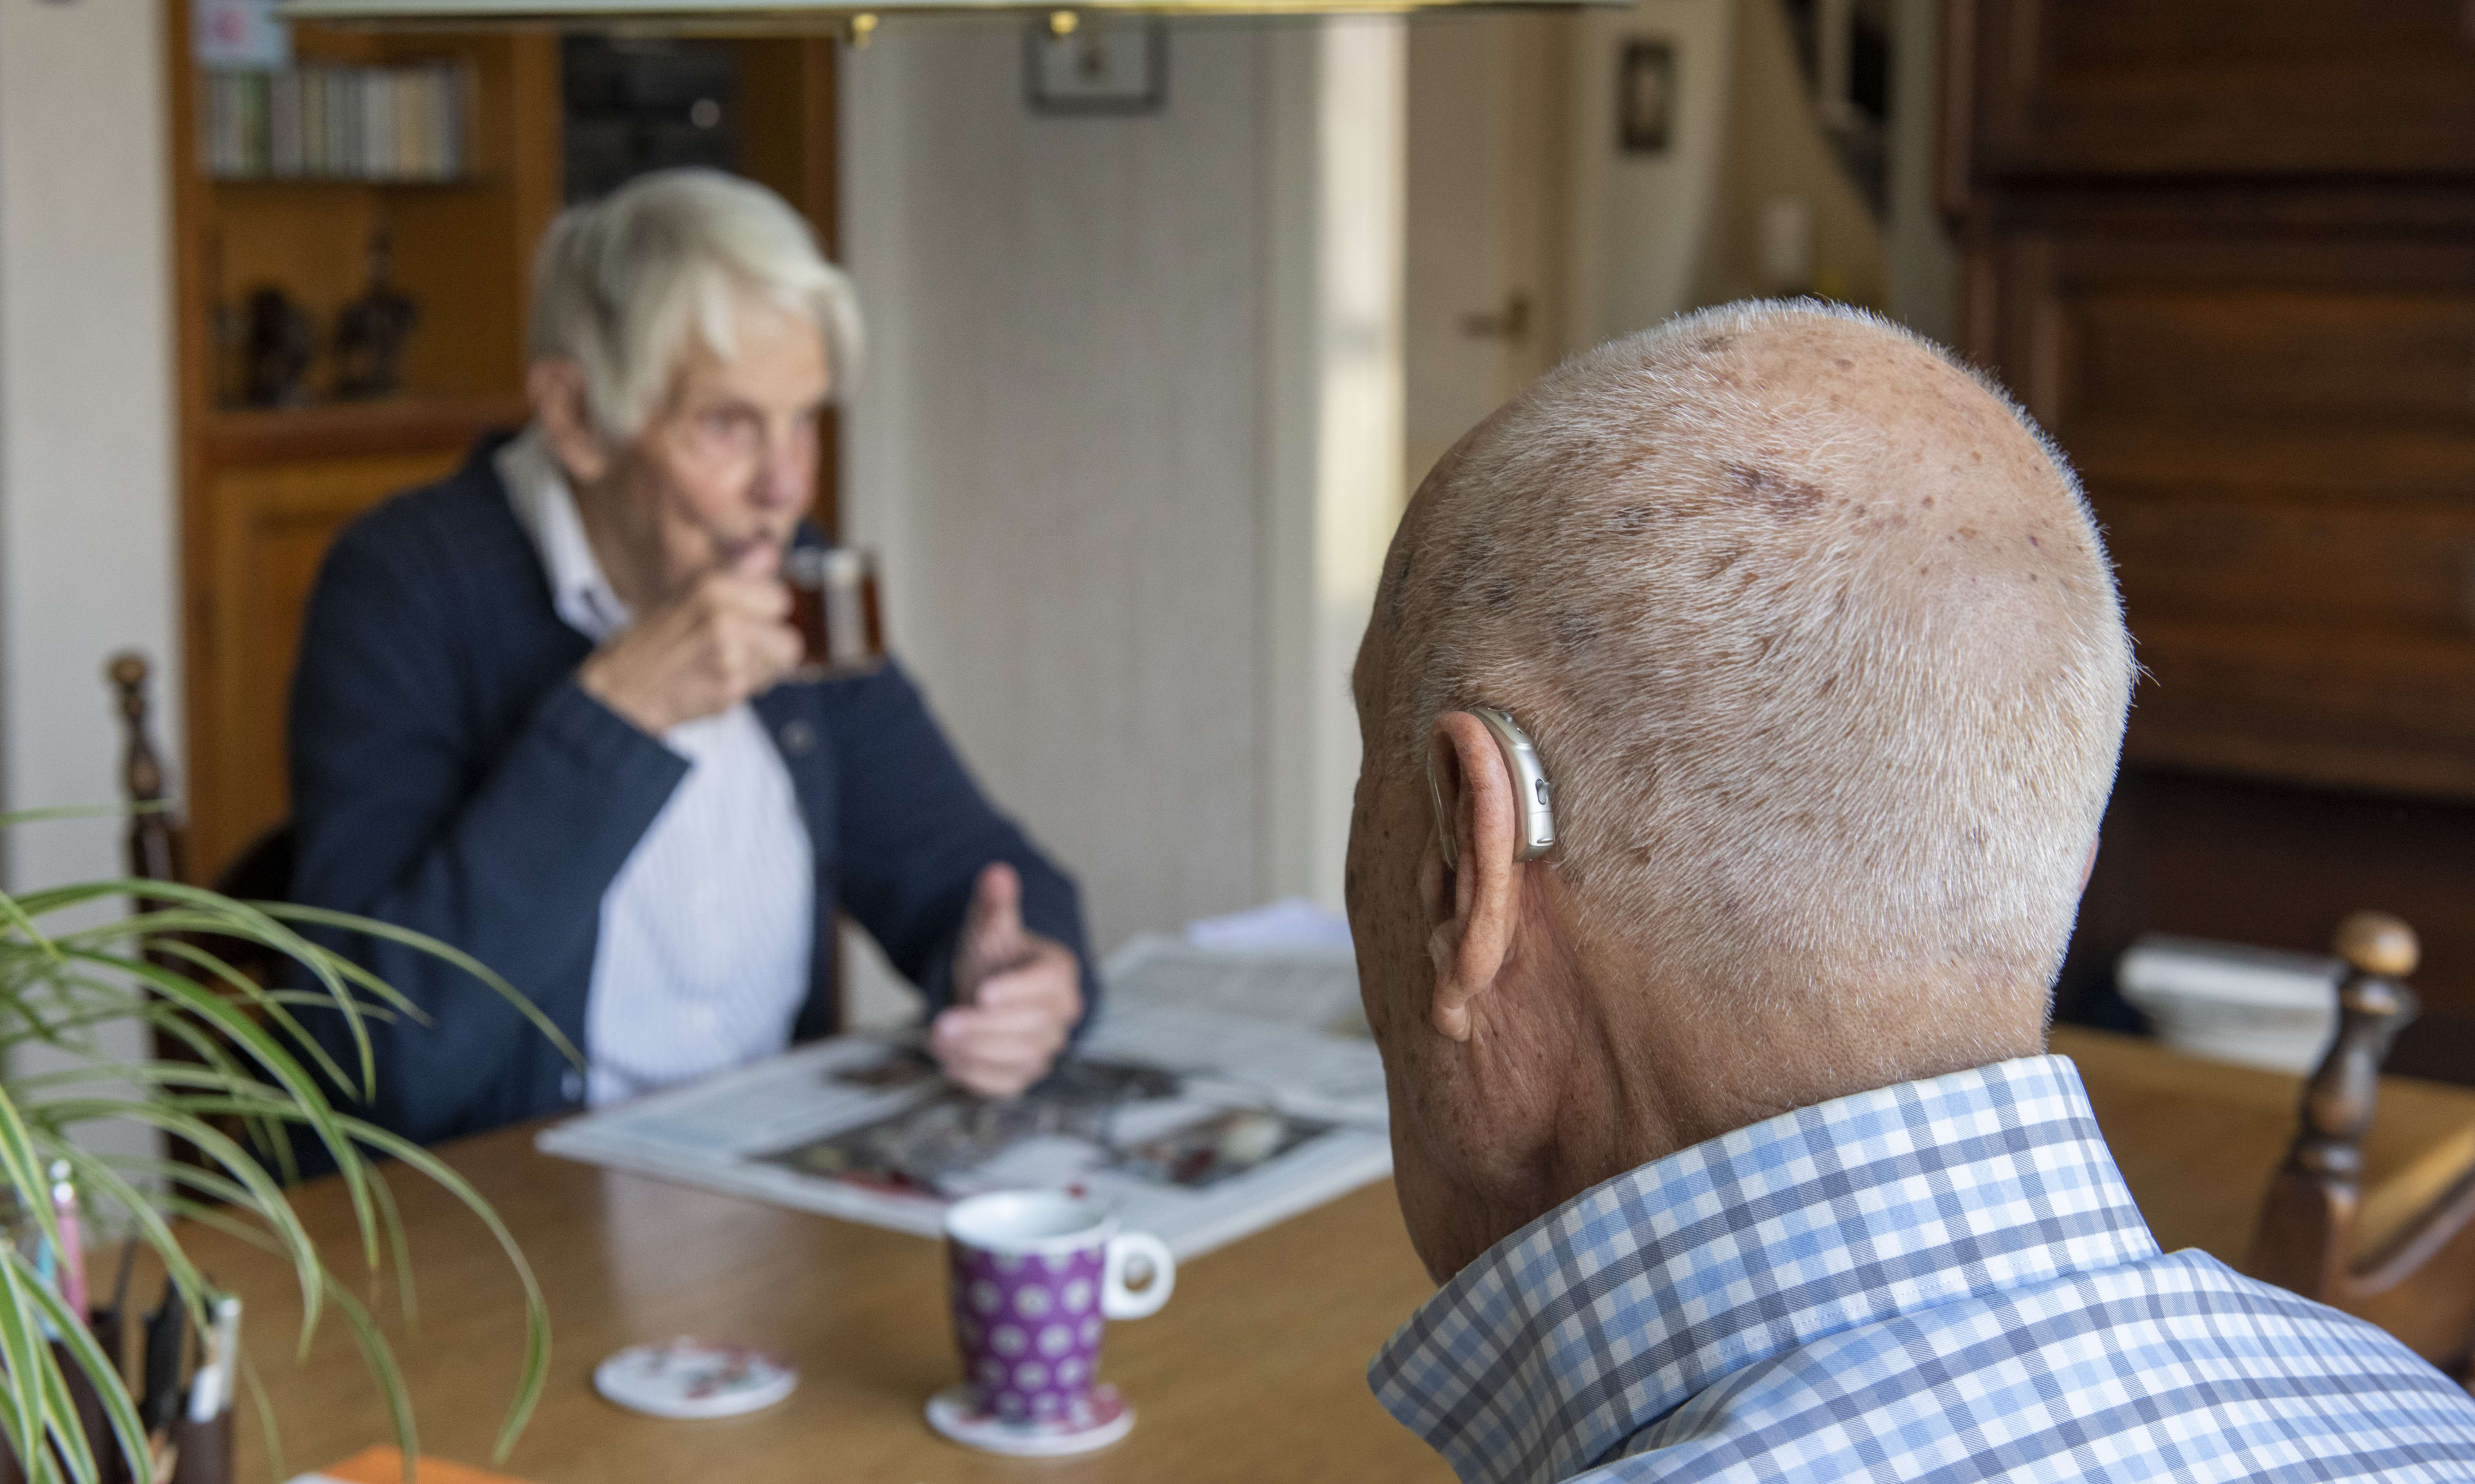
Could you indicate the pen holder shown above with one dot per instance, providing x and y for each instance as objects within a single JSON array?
[
  {"x": 205, "y": 1450},
  {"x": 111, "y": 1467}
]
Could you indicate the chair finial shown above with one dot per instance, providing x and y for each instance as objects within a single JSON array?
[{"x": 2377, "y": 943}]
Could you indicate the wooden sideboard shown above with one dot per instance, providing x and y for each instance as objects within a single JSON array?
[{"x": 2225, "y": 253}]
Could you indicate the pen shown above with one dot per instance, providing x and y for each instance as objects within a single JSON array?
[
  {"x": 211, "y": 1390},
  {"x": 47, "y": 1272},
  {"x": 160, "y": 1404},
  {"x": 121, "y": 1285},
  {"x": 64, "y": 1212}
]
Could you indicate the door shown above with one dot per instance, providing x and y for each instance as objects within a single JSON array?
[{"x": 1486, "y": 211}]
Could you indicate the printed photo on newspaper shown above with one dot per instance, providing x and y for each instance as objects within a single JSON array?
[{"x": 1194, "y": 1122}]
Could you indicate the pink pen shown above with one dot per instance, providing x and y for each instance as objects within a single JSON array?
[{"x": 64, "y": 1211}]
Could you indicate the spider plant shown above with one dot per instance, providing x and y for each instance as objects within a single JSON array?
[{"x": 257, "y": 1076}]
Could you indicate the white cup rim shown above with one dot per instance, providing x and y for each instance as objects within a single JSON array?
[{"x": 1029, "y": 1220}]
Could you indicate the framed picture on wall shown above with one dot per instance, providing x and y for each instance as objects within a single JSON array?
[
  {"x": 1646, "y": 96},
  {"x": 1099, "y": 66}
]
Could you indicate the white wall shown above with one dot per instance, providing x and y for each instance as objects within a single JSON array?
[
  {"x": 1113, "y": 438},
  {"x": 1065, "y": 445},
  {"x": 87, "y": 520},
  {"x": 1641, "y": 221},
  {"x": 1335, "y": 483},
  {"x": 1654, "y": 235}
]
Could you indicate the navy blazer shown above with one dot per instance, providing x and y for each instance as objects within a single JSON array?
[{"x": 450, "y": 775}]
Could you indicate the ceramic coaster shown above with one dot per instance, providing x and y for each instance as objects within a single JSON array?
[
  {"x": 690, "y": 1379},
  {"x": 1095, "y": 1420}
]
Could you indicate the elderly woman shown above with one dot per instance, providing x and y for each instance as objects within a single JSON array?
[{"x": 541, "y": 713}]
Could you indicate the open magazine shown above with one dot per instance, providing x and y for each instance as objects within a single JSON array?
[{"x": 1216, "y": 1094}]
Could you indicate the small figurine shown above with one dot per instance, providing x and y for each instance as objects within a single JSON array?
[
  {"x": 277, "y": 347},
  {"x": 370, "y": 331}
]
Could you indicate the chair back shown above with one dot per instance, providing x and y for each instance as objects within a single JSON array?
[
  {"x": 2415, "y": 1275},
  {"x": 155, "y": 835},
  {"x": 158, "y": 841}
]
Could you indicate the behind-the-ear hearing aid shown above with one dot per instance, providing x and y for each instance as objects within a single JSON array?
[{"x": 1536, "y": 812}]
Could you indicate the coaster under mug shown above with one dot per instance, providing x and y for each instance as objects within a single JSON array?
[
  {"x": 1035, "y": 1278},
  {"x": 1101, "y": 1417}
]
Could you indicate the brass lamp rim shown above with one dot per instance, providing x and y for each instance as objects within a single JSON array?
[{"x": 838, "y": 14}]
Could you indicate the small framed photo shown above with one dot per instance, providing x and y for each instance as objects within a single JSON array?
[
  {"x": 1116, "y": 65},
  {"x": 1646, "y": 97}
]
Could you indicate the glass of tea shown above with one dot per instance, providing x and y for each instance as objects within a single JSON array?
[{"x": 834, "y": 607}]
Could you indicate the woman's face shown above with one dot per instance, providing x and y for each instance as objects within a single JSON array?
[{"x": 722, "y": 473}]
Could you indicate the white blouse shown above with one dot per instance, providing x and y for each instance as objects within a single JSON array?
[{"x": 708, "y": 929}]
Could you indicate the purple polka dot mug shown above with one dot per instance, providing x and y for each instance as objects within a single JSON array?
[{"x": 1036, "y": 1277}]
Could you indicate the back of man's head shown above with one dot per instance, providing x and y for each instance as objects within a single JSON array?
[{"x": 1822, "y": 651}]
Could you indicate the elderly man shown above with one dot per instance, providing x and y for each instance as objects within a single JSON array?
[
  {"x": 1724, "y": 1119},
  {"x": 541, "y": 713}
]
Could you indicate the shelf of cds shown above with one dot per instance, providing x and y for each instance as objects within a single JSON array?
[{"x": 336, "y": 123}]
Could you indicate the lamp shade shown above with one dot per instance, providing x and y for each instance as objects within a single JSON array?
[{"x": 804, "y": 16}]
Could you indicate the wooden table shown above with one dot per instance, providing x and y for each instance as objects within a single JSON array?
[
  {"x": 2198, "y": 1141},
  {"x": 1253, "y": 1372}
]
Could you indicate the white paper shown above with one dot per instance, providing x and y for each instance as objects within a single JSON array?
[
  {"x": 1290, "y": 923},
  {"x": 1194, "y": 1121}
]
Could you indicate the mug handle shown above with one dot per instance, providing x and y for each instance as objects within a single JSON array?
[{"x": 1116, "y": 1299}]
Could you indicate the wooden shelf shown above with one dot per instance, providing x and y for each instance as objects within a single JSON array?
[
  {"x": 399, "y": 425},
  {"x": 366, "y": 182},
  {"x": 265, "y": 490}
]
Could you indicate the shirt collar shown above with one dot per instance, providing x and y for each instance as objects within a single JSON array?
[
  {"x": 1542, "y": 1357},
  {"x": 545, "y": 507}
]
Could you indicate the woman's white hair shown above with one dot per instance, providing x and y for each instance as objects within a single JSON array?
[{"x": 621, "y": 283}]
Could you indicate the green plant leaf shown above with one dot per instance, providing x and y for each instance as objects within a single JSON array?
[
  {"x": 256, "y": 1067},
  {"x": 126, "y": 1428},
  {"x": 536, "y": 1363},
  {"x": 23, "y": 1351},
  {"x": 445, "y": 952}
]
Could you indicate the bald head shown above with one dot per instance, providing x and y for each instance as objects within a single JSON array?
[{"x": 1818, "y": 641}]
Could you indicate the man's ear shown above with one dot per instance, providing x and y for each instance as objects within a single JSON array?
[
  {"x": 555, "y": 389},
  {"x": 1473, "y": 904}
]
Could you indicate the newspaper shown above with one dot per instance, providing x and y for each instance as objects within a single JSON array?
[{"x": 1216, "y": 1094}]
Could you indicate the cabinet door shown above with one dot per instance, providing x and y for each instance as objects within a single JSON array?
[
  {"x": 267, "y": 530},
  {"x": 2276, "y": 425},
  {"x": 2216, "y": 87}
]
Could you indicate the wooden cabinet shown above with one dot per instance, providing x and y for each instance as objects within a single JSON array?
[
  {"x": 265, "y": 490},
  {"x": 2225, "y": 253},
  {"x": 2260, "y": 90},
  {"x": 267, "y": 529},
  {"x": 2273, "y": 407}
]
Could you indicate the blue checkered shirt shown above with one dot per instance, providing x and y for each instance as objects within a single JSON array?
[{"x": 1943, "y": 1280}]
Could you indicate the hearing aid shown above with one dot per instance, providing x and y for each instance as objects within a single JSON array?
[{"x": 1534, "y": 810}]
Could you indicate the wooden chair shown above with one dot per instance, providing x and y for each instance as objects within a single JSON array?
[
  {"x": 157, "y": 843},
  {"x": 2402, "y": 1256},
  {"x": 157, "y": 851}
]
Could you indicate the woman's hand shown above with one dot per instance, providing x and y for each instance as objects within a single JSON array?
[
  {"x": 1017, "y": 994},
  {"x": 714, "y": 645}
]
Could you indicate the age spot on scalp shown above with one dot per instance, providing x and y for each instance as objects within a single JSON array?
[{"x": 1787, "y": 499}]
